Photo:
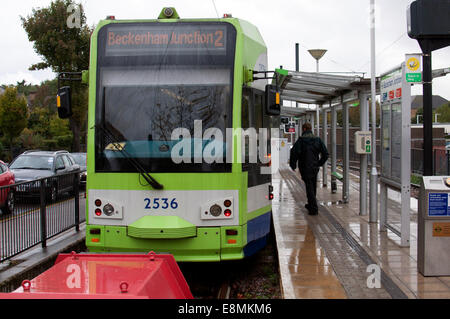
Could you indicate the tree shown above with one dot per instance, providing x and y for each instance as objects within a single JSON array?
[
  {"x": 13, "y": 115},
  {"x": 63, "y": 48},
  {"x": 354, "y": 115},
  {"x": 443, "y": 113}
]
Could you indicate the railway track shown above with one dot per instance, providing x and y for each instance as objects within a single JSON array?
[{"x": 256, "y": 277}]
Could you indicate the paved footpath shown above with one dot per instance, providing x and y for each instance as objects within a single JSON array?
[{"x": 334, "y": 254}]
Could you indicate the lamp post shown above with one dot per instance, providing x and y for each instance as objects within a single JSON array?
[
  {"x": 317, "y": 54},
  {"x": 373, "y": 212}
]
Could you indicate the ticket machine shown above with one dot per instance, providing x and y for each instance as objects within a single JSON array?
[{"x": 433, "y": 246}]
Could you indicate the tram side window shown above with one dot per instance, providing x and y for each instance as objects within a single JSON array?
[
  {"x": 245, "y": 120},
  {"x": 258, "y": 111}
]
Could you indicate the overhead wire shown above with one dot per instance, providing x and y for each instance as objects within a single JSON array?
[
  {"x": 386, "y": 48},
  {"x": 214, "y": 4}
]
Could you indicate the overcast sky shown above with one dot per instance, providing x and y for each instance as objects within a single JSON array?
[{"x": 341, "y": 27}]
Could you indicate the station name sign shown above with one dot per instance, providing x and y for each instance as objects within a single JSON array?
[
  {"x": 183, "y": 39},
  {"x": 391, "y": 86}
]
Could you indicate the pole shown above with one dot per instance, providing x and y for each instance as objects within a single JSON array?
[
  {"x": 427, "y": 114},
  {"x": 363, "y": 119},
  {"x": 333, "y": 148},
  {"x": 297, "y": 68},
  {"x": 317, "y": 105},
  {"x": 324, "y": 139},
  {"x": 373, "y": 173},
  {"x": 346, "y": 152}
]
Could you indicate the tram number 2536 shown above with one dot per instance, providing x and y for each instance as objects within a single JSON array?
[{"x": 163, "y": 203}]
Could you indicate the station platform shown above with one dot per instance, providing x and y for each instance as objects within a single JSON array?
[{"x": 333, "y": 255}]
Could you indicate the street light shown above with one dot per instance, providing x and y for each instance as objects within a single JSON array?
[{"x": 317, "y": 54}]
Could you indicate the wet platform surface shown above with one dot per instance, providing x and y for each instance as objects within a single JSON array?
[{"x": 333, "y": 255}]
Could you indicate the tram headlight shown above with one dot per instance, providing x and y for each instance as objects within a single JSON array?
[
  {"x": 108, "y": 210},
  {"x": 215, "y": 210}
]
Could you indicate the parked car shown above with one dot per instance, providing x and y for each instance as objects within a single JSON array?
[
  {"x": 33, "y": 165},
  {"x": 81, "y": 159},
  {"x": 6, "y": 194}
]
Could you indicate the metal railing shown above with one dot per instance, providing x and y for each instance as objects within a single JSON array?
[
  {"x": 40, "y": 210},
  {"x": 441, "y": 159}
]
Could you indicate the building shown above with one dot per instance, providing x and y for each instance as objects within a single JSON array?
[{"x": 417, "y": 103}]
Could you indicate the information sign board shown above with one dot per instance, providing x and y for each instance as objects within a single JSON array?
[{"x": 413, "y": 68}]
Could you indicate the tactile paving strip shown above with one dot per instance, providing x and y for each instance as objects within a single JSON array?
[{"x": 348, "y": 259}]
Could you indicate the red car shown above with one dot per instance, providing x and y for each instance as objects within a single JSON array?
[{"x": 6, "y": 194}]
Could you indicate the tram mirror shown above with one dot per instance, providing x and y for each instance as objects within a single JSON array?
[
  {"x": 64, "y": 102},
  {"x": 272, "y": 100}
]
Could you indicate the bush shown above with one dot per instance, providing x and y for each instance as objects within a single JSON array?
[
  {"x": 64, "y": 142},
  {"x": 28, "y": 140}
]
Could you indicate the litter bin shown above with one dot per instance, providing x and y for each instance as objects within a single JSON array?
[{"x": 433, "y": 246}]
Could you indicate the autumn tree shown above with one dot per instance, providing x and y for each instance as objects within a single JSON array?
[
  {"x": 13, "y": 115},
  {"x": 63, "y": 47}
]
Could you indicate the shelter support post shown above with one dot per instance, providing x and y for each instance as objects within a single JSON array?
[
  {"x": 333, "y": 147},
  {"x": 318, "y": 119},
  {"x": 346, "y": 153},
  {"x": 383, "y": 207},
  {"x": 324, "y": 139},
  {"x": 364, "y": 123}
]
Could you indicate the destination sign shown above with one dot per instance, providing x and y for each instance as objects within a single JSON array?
[{"x": 182, "y": 39}]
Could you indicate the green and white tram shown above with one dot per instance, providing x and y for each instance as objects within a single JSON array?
[{"x": 162, "y": 94}]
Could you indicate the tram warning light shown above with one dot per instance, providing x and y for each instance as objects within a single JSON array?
[{"x": 63, "y": 102}]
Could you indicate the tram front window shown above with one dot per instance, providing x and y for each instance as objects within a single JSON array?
[{"x": 142, "y": 115}]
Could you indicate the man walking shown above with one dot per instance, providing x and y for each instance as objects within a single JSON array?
[{"x": 306, "y": 152}]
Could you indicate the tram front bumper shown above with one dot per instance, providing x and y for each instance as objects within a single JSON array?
[{"x": 209, "y": 244}]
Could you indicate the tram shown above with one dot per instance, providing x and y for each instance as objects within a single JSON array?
[{"x": 171, "y": 102}]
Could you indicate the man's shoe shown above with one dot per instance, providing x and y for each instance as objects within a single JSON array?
[
  {"x": 313, "y": 213},
  {"x": 307, "y": 206}
]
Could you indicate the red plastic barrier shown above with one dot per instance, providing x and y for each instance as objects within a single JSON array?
[{"x": 94, "y": 276}]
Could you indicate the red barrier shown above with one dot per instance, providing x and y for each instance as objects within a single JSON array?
[{"x": 104, "y": 276}]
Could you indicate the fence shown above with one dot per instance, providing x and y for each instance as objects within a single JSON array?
[
  {"x": 441, "y": 159},
  {"x": 38, "y": 210}
]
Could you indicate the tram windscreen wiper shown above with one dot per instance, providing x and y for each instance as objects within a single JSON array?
[{"x": 110, "y": 138}]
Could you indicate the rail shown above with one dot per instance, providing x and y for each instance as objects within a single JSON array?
[
  {"x": 441, "y": 159},
  {"x": 37, "y": 210}
]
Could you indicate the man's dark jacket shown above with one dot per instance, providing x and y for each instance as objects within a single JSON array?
[{"x": 305, "y": 153}]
